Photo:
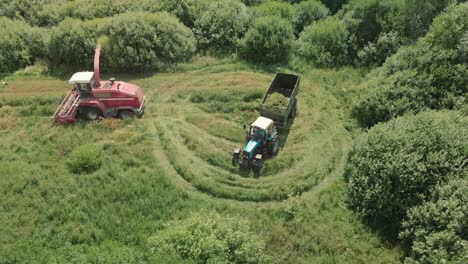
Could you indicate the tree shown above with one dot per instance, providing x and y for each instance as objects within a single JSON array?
[
  {"x": 437, "y": 230},
  {"x": 269, "y": 40},
  {"x": 209, "y": 238},
  {"x": 325, "y": 43},
  {"x": 396, "y": 165},
  {"x": 305, "y": 13},
  {"x": 221, "y": 26}
]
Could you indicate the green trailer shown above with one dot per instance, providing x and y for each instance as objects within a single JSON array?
[{"x": 279, "y": 103}]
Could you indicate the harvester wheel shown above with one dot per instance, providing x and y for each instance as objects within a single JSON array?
[
  {"x": 125, "y": 114},
  {"x": 92, "y": 113}
]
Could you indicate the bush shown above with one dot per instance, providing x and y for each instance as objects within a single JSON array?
[
  {"x": 269, "y": 40},
  {"x": 146, "y": 41},
  {"x": 221, "y": 26},
  {"x": 396, "y": 165},
  {"x": 273, "y": 8},
  {"x": 325, "y": 43},
  {"x": 20, "y": 45},
  {"x": 411, "y": 18},
  {"x": 436, "y": 230},
  {"x": 37, "y": 13},
  {"x": 375, "y": 54},
  {"x": 138, "y": 41},
  {"x": 73, "y": 41},
  {"x": 210, "y": 238},
  {"x": 85, "y": 159},
  {"x": 305, "y": 13},
  {"x": 428, "y": 75}
]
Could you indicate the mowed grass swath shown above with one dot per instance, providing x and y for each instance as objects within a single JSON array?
[{"x": 170, "y": 164}]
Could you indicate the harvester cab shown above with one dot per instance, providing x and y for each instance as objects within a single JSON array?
[
  {"x": 83, "y": 82},
  {"x": 262, "y": 140},
  {"x": 94, "y": 99}
]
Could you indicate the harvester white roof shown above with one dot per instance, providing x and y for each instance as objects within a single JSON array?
[
  {"x": 81, "y": 77},
  {"x": 262, "y": 122}
]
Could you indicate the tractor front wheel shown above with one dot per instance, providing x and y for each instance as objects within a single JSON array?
[
  {"x": 92, "y": 113},
  {"x": 125, "y": 114},
  {"x": 235, "y": 159}
]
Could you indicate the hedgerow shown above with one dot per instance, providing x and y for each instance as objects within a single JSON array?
[
  {"x": 20, "y": 44},
  {"x": 136, "y": 41}
]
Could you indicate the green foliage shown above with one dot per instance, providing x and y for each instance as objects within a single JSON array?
[
  {"x": 210, "y": 238},
  {"x": 375, "y": 54},
  {"x": 269, "y": 40},
  {"x": 396, "y": 165},
  {"x": 20, "y": 45},
  {"x": 334, "y": 5},
  {"x": 362, "y": 20},
  {"x": 148, "y": 41},
  {"x": 368, "y": 20},
  {"x": 325, "y": 43},
  {"x": 411, "y": 18},
  {"x": 221, "y": 26},
  {"x": 138, "y": 41},
  {"x": 72, "y": 42},
  {"x": 305, "y": 13},
  {"x": 436, "y": 230},
  {"x": 186, "y": 11},
  {"x": 85, "y": 159},
  {"x": 429, "y": 75},
  {"x": 252, "y": 2},
  {"x": 36, "y": 12},
  {"x": 273, "y": 8}
]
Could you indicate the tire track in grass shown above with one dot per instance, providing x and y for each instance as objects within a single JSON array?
[{"x": 199, "y": 155}]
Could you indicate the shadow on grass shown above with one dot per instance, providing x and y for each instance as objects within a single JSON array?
[{"x": 284, "y": 132}]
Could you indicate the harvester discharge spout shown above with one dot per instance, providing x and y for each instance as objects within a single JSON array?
[{"x": 97, "y": 76}]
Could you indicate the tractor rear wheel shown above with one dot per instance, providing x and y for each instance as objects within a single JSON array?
[
  {"x": 274, "y": 148},
  {"x": 125, "y": 114},
  {"x": 92, "y": 113}
]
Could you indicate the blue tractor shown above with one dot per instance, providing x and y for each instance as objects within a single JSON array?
[{"x": 262, "y": 140}]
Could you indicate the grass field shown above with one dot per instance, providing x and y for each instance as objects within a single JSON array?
[{"x": 175, "y": 161}]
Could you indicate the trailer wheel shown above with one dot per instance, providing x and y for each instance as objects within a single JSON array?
[
  {"x": 92, "y": 113},
  {"x": 125, "y": 114}
]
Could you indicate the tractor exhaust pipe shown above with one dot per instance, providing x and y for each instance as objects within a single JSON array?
[{"x": 97, "y": 76}]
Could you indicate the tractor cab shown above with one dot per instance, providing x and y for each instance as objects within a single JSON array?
[
  {"x": 83, "y": 82},
  {"x": 261, "y": 128},
  {"x": 261, "y": 141}
]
